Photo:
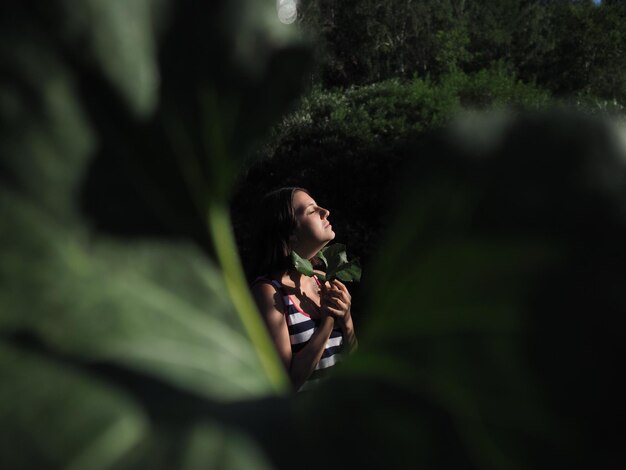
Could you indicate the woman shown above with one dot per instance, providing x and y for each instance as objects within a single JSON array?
[{"x": 309, "y": 322}]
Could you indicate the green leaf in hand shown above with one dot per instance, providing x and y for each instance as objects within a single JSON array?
[
  {"x": 336, "y": 261},
  {"x": 338, "y": 266},
  {"x": 350, "y": 271},
  {"x": 321, "y": 256},
  {"x": 335, "y": 256},
  {"x": 303, "y": 266}
]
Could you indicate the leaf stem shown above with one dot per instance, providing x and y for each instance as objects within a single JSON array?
[{"x": 227, "y": 254}]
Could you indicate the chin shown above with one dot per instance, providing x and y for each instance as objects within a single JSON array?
[{"x": 329, "y": 238}]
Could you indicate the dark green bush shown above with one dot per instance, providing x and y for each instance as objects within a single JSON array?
[
  {"x": 396, "y": 109},
  {"x": 495, "y": 86},
  {"x": 350, "y": 146}
]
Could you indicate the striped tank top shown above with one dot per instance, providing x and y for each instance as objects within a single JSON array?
[{"x": 301, "y": 327}]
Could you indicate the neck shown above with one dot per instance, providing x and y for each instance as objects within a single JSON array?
[{"x": 308, "y": 253}]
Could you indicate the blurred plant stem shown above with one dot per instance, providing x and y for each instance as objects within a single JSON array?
[
  {"x": 211, "y": 198},
  {"x": 220, "y": 228}
]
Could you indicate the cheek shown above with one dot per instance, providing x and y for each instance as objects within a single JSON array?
[
  {"x": 302, "y": 229},
  {"x": 308, "y": 228}
]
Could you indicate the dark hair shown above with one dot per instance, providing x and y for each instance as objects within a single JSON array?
[{"x": 275, "y": 223}]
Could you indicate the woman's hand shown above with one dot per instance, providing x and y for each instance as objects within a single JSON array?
[{"x": 335, "y": 300}]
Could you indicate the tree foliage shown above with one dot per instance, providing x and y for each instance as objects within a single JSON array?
[
  {"x": 128, "y": 338},
  {"x": 566, "y": 47}
]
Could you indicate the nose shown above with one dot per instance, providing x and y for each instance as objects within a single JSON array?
[{"x": 325, "y": 213}]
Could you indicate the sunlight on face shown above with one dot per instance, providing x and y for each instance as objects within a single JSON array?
[{"x": 313, "y": 230}]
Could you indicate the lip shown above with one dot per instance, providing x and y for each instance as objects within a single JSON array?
[{"x": 328, "y": 224}]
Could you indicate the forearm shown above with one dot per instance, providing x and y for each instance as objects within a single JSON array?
[
  {"x": 349, "y": 335},
  {"x": 303, "y": 363}
]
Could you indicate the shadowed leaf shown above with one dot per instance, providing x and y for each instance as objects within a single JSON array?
[{"x": 94, "y": 424}]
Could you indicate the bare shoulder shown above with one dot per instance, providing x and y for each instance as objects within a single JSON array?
[
  {"x": 269, "y": 303},
  {"x": 267, "y": 298},
  {"x": 263, "y": 290}
]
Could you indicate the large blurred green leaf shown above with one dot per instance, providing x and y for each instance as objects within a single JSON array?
[
  {"x": 119, "y": 38},
  {"x": 45, "y": 140},
  {"x": 55, "y": 416},
  {"x": 212, "y": 447},
  {"x": 495, "y": 333},
  {"x": 155, "y": 307},
  {"x": 225, "y": 84},
  {"x": 146, "y": 109},
  {"x": 204, "y": 444},
  {"x": 98, "y": 426}
]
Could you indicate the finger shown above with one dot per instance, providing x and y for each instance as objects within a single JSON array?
[
  {"x": 337, "y": 303},
  {"x": 331, "y": 288},
  {"x": 327, "y": 300},
  {"x": 334, "y": 312},
  {"x": 337, "y": 294},
  {"x": 340, "y": 285},
  {"x": 324, "y": 288},
  {"x": 336, "y": 300},
  {"x": 334, "y": 293}
]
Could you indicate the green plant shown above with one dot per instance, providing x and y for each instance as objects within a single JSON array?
[
  {"x": 124, "y": 311},
  {"x": 128, "y": 338},
  {"x": 335, "y": 260}
]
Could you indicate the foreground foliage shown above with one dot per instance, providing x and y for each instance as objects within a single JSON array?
[{"x": 494, "y": 333}]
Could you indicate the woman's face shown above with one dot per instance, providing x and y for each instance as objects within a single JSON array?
[{"x": 313, "y": 229}]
